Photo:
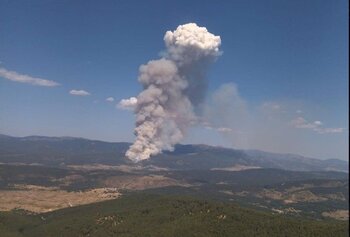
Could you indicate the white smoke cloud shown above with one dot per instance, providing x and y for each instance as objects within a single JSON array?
[
  {"x": 127, "y": 104},
  {"x": 17, "y": 77},
  {"x": 316, "y": 126},
  {"x": 79, "y": 92},
  {"x": 110, "y": 99},
  {"x": 191, "y": 43},
  {"x": 173, "y": 87}
]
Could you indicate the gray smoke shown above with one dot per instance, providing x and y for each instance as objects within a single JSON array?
[{"x": 173, "y": 88}]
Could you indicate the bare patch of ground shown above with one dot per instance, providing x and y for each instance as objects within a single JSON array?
[
  {"x": 40, "y": 199},
  {"x": 271, "y": 194},
  {"x": 286, "y": 210},
  {"x": 336, "y": 196},
  {"x": 306, "y": 196},
  {"x": 338, "y": 214},
  {"x": 294, "y": 197}
]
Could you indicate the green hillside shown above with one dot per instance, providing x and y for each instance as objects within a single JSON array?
[{"x": 154, "y": 215}]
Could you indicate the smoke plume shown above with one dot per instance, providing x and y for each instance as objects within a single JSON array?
[{"x": 173, "y": 90}]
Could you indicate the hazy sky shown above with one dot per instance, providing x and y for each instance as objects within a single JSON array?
[{"x": 280, "y": 85}]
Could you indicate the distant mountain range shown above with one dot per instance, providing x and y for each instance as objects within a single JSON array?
[{"x": 61, "y": 151}]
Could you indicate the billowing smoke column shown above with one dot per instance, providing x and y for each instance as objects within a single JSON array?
[{"x": 173, "y": 88}]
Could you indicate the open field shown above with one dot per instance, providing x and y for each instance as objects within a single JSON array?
[
  {"x": 338, "y": 214},
  {"x": 40, "y": 199}
]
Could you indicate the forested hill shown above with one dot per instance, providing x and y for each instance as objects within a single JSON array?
[
  {"x": 56, "y": 151},
  {"x": 153, "y": 215}
]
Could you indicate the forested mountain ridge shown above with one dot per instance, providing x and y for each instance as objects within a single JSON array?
[{"x": 56, "y": 151}]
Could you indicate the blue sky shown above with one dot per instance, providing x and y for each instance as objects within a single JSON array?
[{"x": 288, "y": 61}]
